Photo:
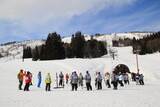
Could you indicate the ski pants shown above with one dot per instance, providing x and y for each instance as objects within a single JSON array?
[
  {"x": 115, "y": 84},
  {"x": 88, "y": 85},
  {"x": 26, "y": 88},
  {"x": 39, "y": 83},
  {"x": 74, "y": 87},
  {"x": 99, "y": 85},
  {"x": 20, "y": 84},
  {"x": 108, "y": 83},
  {"x": 48, "y": 86},
  {"x": 121, "y": 83}
]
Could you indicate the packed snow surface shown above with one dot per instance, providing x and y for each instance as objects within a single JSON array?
[{"x": 129, "y": 96}]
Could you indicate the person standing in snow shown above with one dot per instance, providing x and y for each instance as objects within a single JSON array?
[
  {"x": 96, "y": 82},
  {"x": 137, "y": 78},
  {"x": 107, "y": 79},
  {"x": 99, "y": 81},
  {"x": 80, "y": 80},
  {"x": 88, "y": 81},
  {"x": 61, "y": 79},
  {"x": 141, "y": 81},
  {"x": 126, "y": 78},
  {"x": 27, "y": 81},
  {"x": 120, "y": 79},
  {"x": 74, "y": 81},
  {"x": 20, "y": 78},
  {"x": 39, "y": 76},
  {"x": 48, "y": 82},
  {"x": 114, "y": 80},
  {"x": 31, "y": 76},
  {"x": 67, "y": 78}
]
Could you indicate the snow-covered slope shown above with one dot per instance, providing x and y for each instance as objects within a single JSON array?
[
  {"x": 15, "y": 50},
  {"x": 129, "y": 96}
]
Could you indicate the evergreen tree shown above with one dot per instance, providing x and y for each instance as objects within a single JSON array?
[
  {"x": 54, "y": 47},
  {"x": 42, "y": 55},
  {"x": 78, "y": 45},
  {"x": 102, "y": 48},
  {"x": 36, "y": 54},
  {"x": 27, "y": 52},
  {"x": 148, "y": 44},
  {"x": 68, "y": 50}
]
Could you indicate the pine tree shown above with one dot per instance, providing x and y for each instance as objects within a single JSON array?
[
  {"x": 54, "y": 47},
  {"x": 78, "y": 45},
  {"x": 27, "y": 52},
  {"x": 36, "y": 54}
]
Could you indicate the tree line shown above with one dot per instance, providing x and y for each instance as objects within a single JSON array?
[
  {"x": 54, "y": 48},
  {"x": 147, "y": 45}
]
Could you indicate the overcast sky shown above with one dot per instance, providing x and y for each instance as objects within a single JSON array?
[{"x": 34, "y": 19}]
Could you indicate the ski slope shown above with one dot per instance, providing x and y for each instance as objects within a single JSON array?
[{"x": 129, "y": 96}]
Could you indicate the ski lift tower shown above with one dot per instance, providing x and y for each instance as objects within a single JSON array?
[
  {"x": 137, "y": 50},
  {"x": 113, "y": 56},
  {"x": 113, "y": 53}
]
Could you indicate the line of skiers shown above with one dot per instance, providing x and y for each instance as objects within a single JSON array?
[{"x": 77, "y": 80}]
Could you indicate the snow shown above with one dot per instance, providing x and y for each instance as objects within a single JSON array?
[{"x": 129, "y": 96}]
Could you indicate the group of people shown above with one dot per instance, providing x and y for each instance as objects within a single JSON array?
[
  {"x": 138, "y": 78},
  {"x": 77, "y": 80},
  {"x": 25, "y": 77}
]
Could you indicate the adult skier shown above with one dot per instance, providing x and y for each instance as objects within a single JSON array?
[
  {"x": 120, "y": 79},
  {"x": 67, "y": 78},
  {"x": 141, "y": 81},
  {"x": 20, "y": 78},
  {"x": 39, "y": 76},
  {"x": 27, "y": 81},
  {"x": 126, "y": 78},
  {"x": 61, "y": 79},
  {"x": 74, "y": 81},
  {"x": 96, "y": 82},
  {"x": 137, "y": 78},
  {"x": 99, "y": 81},
  {"x": 114, "y": 80},
  {"x": 31, "y": 76},
  {"x": 88, "y": 81},
  {"x": 48, "y": 82},
  {"x": 80, "y": 80},
  {"x": 107, "y": 79}
]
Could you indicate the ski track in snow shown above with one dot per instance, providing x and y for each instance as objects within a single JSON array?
[{"x": 129, "y": 96}]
